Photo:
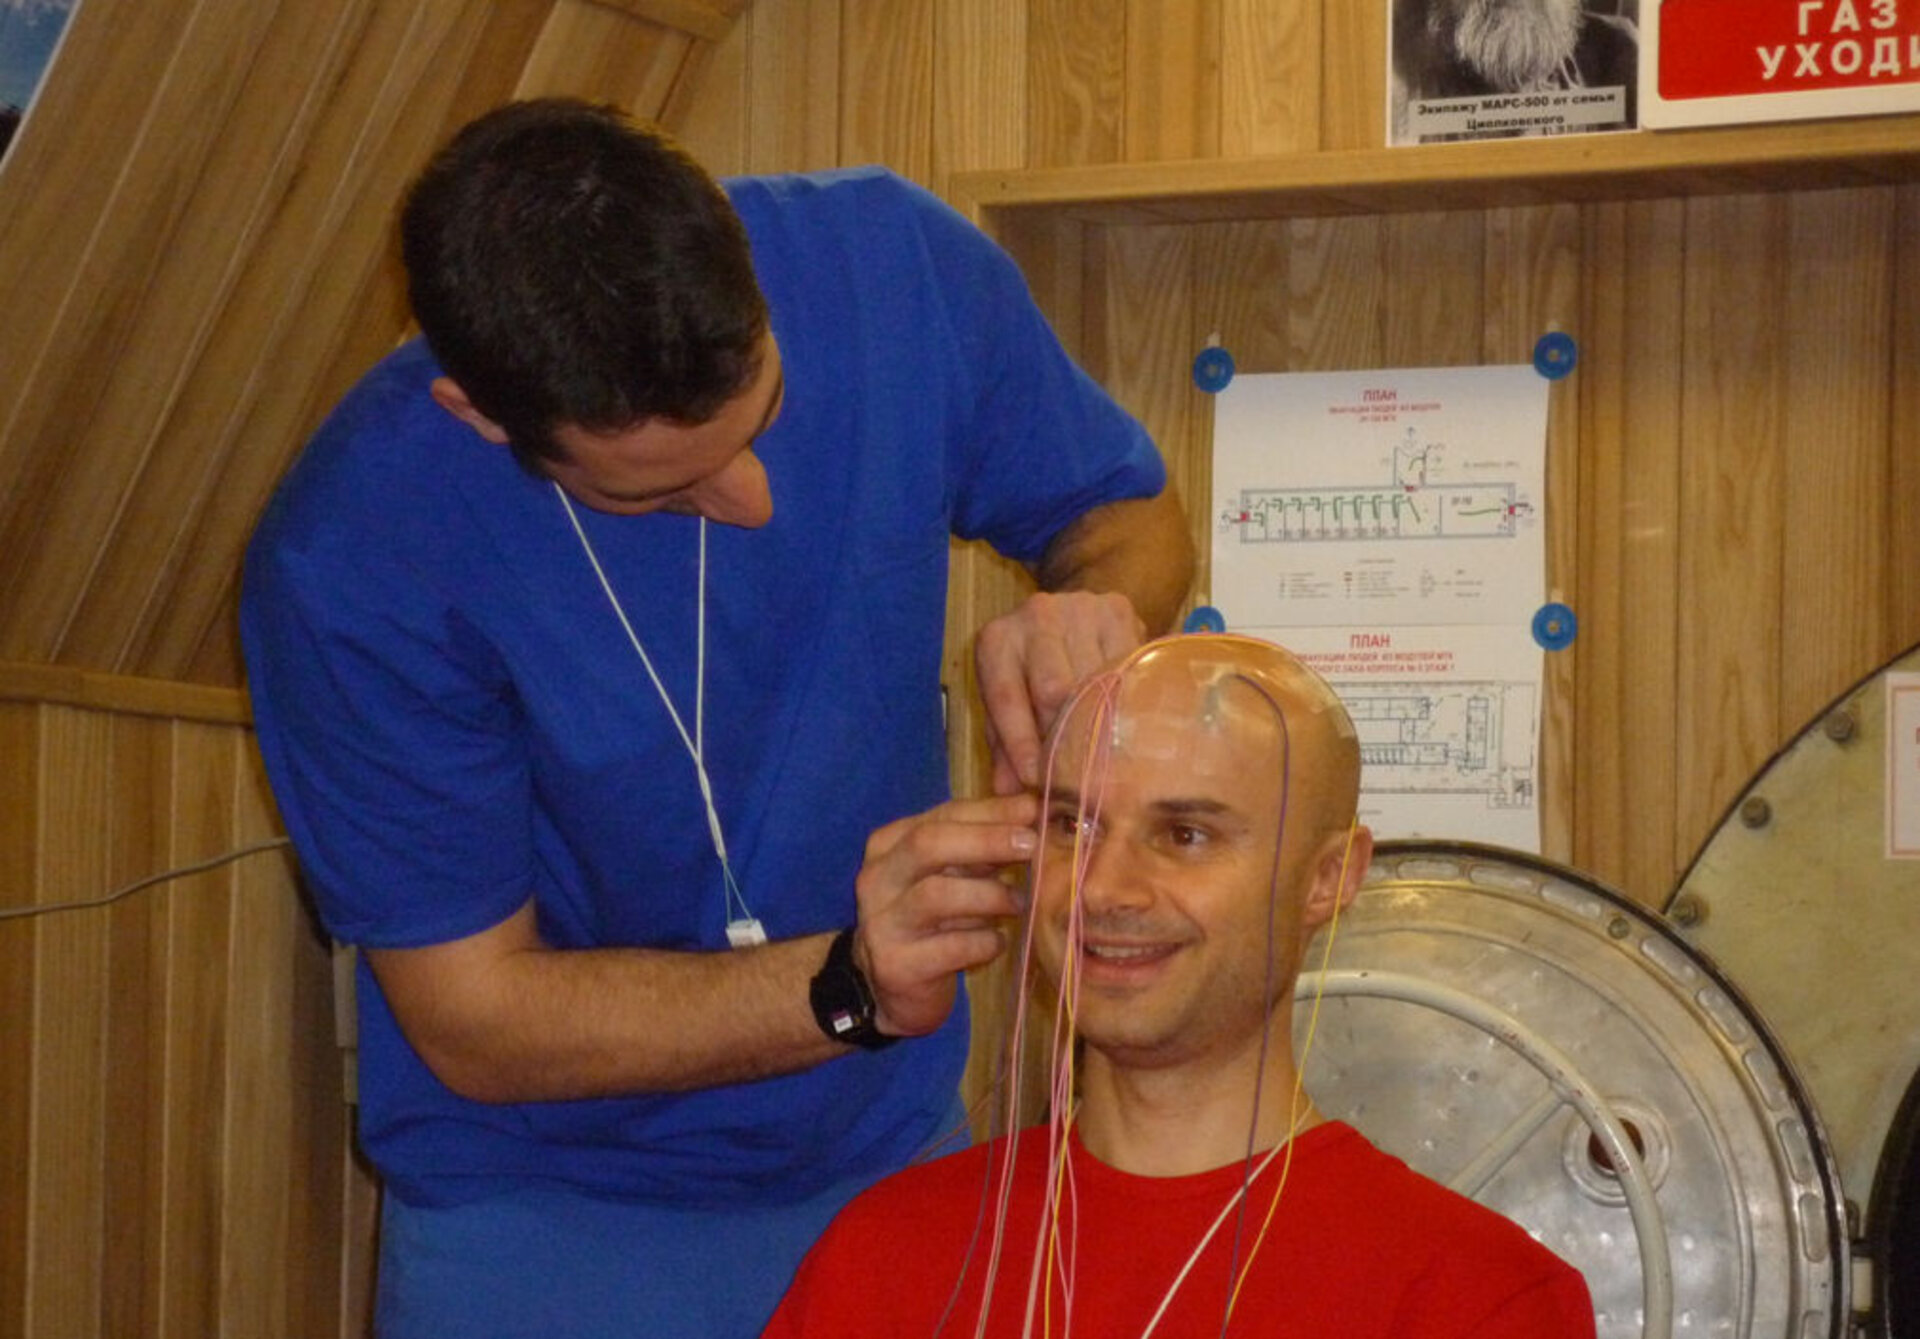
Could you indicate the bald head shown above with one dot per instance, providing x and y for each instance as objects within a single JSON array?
[
  {"x": 1282, "y": 715},
  {"x": 1200, "y": 806}
]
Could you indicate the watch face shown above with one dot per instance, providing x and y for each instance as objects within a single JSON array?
[{"x": 842, "y": 1002}]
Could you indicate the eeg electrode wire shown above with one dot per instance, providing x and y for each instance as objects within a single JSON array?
[{"x": 1053, "y": 1246}]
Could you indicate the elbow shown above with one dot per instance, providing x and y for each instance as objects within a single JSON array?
[{"x": 471, "y": 1069}]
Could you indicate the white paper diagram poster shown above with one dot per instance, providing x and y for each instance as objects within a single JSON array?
[
  {"x": 1903, "y": 766},
  {"x": 1387, "y": 527}
]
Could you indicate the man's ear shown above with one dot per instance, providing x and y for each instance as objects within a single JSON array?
[
  {"x": 447, "y": 394},
  {"x": 1337, "y": 873}
]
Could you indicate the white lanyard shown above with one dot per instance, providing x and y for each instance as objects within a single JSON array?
[{"x": 743, "y": 929}]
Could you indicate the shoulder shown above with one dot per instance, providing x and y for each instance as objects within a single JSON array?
[
  {"x": 870, "y": 211},
  {"x": 386, "y": 461},
  {"x": 1457, "y": 1255},
  {"x": 844, "y": 189}
]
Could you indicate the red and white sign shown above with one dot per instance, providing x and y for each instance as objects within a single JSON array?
[{"x": 1709, "y": 62}]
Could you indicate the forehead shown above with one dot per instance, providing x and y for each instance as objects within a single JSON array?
[{"x": 1179, "y": 731}]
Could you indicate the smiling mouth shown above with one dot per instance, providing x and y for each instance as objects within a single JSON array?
[{"x": 1125, "y": 955}]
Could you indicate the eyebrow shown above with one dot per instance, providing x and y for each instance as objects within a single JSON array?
[{"x": 1173, "y": 807}]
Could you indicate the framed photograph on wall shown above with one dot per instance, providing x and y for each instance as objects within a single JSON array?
[
  {"x": 30, "y": 35},
  {"x": 1498, "y": 69},
  {"x": 1718, "y": 62}
]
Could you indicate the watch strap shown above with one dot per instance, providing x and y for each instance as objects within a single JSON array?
[{"x": 842, "y": 1000}]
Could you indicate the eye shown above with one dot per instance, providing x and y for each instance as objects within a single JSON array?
[
  {"x": 1067, "y": 825},
  {"x": 1188, "y": 835}
]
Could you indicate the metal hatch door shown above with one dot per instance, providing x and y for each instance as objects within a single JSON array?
[
  {"x": 1796, "y": 898},
  {"x": 1744, "y": 1198}
]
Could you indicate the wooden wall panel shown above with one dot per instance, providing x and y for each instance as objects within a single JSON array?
[
  {"x": 886, "y": 91},
  {"x": 979, "y": 89},
  {"x": 1903, "y": 442},
  {"x": 197, "y": 238},
  {"x": 589, "y": 50},
  {"x": 1353, "y": 78},
  {"x": 1536, "y": 256},
  {"x": 20, "y": 817},
  {"x": 1171, "y": 80},
  {"x": 1075, "y": 81},
  {"x": 1625, "y": 706},
  {"x": 172, "y": 1148},
  {"x": 1837, "y": 407},
  {"x": 65, "y": 1205},
  {"x": 142, "y": 787},
  {"x": 1270, "y": 76},
  {"x": 202, "y": 257},
  {"x": 1731, "y": 501},
  {"x": 799, "y": 75}
]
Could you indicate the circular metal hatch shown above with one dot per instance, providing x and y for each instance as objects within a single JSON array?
[
  {"x": 1737, "y": 1160},
  {"x": 1797, "y": 897}
]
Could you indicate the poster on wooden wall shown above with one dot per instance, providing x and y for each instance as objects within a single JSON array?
[
  {"x": 1719, "y": 62},
  {"x": 1387, "y": 526},
  {"x": 1501, "y": 69},
  {"x": 30, "y": 33}
]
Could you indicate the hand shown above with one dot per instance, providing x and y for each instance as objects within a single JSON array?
[
  {"x": 1030, "y": 660},
  {"x": 930, "y": 893}
]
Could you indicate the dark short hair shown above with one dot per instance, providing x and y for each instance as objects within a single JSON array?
[{"x": 571, "y": 266}]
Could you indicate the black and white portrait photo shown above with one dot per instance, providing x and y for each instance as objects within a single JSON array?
[{"x": 1488, "y": 69}]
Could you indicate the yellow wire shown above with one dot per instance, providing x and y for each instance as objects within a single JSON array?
[{"x": 1299, "y": 1073}]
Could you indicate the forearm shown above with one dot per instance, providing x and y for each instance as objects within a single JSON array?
[
  {"x": 1139, "y": 548},
  {"x": 544, "y": 1024},
  {"x": 502, "y": 1016}
]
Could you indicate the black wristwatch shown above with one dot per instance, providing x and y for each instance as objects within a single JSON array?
[{"x": 842, "y": 999}]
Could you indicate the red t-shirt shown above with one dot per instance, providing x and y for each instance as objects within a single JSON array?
[{"x": 1360, "y": 1247}]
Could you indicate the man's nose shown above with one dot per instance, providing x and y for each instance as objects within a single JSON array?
[
  {"x": 1114, "y": 878},
  {"x": 738, "y": 494}
]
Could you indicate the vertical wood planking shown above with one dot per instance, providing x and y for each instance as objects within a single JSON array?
[
  {"x": 1438, "y": 299},
  {"x": 979, "y": 86},
  {"x": 257, "y": 1122},
  {"x": 67, "y": 1149},
  {"x": 1731, "y": 503},
  {"x": 157, "y": 1133},
  {"x": 1270, "y": 76},
  {"x": 22, "y": 757},
  {"x": 1537, "y": 253},
  {"x": 1625, "y": 708},
  {"x": 1837, "y": 407},
  {"x": 197, "y": 929},
  {"x": 798, "y": 75},
  {"x": 1338, "y": 296},
  {"x": 1353, "y": 75},
  {"x": 1903, "y": 439},
  {"x": 1240, "y": 287},
  {"x": 1075, "y": 93},
  {"x": 886, "y": 101},
  {"x": 1138, "y": 319},
  {"x": 711, "y": 121},
  {"x": 1170, "y": 87},
  {"x": 135, "y": 1063}
]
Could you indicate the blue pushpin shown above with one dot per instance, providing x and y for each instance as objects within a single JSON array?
[
  {"x": 1212, "y": 369},
  {"x": 1555, "y": 626},
  {"x": 1205, "y": 618},
  {"x": 1554, "y": 355}
]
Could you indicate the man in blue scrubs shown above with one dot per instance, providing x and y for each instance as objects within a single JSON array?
[{"x": 595, "y": 647}]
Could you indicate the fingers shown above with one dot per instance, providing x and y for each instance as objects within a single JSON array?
[
  {"x": 1030, "y": 661},
  {"x": 930, "y": 895}
]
